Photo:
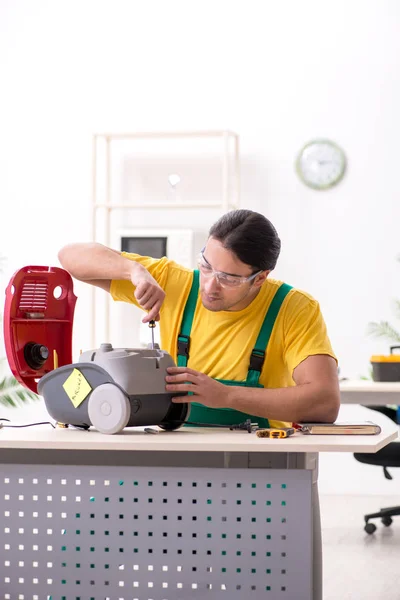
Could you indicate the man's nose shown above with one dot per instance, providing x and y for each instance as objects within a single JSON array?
[{"x": 212, "y": 285}]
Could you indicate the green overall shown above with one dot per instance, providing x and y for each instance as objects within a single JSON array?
[{"x": 228, "y": 416}]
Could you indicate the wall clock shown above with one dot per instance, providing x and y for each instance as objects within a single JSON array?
[{"x": 321, "y": 164}]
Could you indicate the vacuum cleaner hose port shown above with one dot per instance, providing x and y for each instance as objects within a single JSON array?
[{"x": 35, "y": 355}]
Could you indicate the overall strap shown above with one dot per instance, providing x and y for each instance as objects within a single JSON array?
[
  {"x": 187, "y": 320},
  {"x": 258, "y": 354}
]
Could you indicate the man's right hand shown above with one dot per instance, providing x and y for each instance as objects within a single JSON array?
[
  {"x": 148, "y": 293},
  {"x": 99, "y": 265}
]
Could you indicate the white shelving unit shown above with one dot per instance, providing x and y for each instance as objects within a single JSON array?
[{"x": 105, "y": 202}]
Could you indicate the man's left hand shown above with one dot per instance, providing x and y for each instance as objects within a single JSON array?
[{"x": 205, "y": 390}]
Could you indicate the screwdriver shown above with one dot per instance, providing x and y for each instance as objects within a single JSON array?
[{"x": 152, "y": 325}]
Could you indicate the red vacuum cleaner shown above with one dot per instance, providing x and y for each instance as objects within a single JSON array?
[{"x": 38, "y": 319}]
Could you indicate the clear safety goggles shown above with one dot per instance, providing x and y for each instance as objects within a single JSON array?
[{"x": 224, "y": 279}]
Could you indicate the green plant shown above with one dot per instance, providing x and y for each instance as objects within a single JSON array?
[
  {"x": 12, "y": 393},
  {"x": 383, "y": 329},
  {"x": 368, "y": 377}
]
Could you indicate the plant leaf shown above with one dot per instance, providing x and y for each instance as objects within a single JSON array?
[
  {"x": 397, "y": 309},
  {"x": 383, "y": 329},
  {"x": 13, "y": 394}
]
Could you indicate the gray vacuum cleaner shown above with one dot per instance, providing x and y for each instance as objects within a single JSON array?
[{"x": 113, "y": 388}]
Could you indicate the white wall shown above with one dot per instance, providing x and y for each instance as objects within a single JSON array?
[{"x": 278, "y": 73}]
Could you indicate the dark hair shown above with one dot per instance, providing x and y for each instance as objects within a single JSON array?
[{"x": 250, "y": 236}]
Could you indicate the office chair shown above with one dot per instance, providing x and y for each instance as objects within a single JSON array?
[{"x": 389, "y": 456}]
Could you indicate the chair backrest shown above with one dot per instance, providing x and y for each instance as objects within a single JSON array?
[{"x": 389, "y": 456}]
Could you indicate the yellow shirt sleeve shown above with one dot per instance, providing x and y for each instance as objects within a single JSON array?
[
  {"x": 124, "y": 291},
  {"x": 305, "y": 331}
]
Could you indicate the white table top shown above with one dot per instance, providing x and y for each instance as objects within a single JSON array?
[
  {"x": 362, "y": 385},
  {"x": 191, "y": 439},
  {"x": 369, "y": 392}
]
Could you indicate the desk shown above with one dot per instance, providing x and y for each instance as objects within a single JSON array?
[
  {"x": 190, "y": 514},
  {"x": 369, "y": 392}
]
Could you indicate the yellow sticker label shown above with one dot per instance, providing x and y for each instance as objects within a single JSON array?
[{"x": 77, "y": 387}]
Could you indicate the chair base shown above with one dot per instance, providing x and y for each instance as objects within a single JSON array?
[{"x": 385, "y": 515}]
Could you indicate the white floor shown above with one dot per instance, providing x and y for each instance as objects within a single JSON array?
[{"x": 358, "y": 565}]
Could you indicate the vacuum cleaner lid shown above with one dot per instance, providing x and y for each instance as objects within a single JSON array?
[{"x": 38, "y": 320}]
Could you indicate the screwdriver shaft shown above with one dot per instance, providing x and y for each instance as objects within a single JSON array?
[{"x": 152, "y": 325}]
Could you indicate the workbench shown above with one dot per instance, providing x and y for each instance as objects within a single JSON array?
[{"x": 195, "y": 513}]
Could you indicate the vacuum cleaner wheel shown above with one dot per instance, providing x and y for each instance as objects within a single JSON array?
[{"x": 109, "y": 409}]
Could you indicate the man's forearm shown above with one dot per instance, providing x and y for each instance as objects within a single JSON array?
[
  {"x": 300, "y": 403},
  {"x": 94, "y": 261}
]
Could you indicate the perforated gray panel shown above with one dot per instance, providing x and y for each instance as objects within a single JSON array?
[{"x": 136, "y": 533}]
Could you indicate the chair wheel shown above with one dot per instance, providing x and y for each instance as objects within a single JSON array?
[
  {"x": 387, "y": 521},
  {"x": 370, "y": 528}
]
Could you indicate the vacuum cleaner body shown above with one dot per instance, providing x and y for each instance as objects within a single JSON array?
[
  {"x": 112, "y": 389},
  {"x": 108, "y": 388}
]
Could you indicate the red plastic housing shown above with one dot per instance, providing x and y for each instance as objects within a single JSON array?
[{"x": 39, "y": 309}]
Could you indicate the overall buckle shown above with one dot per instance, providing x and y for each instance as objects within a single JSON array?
[
  {"x": 257, "y": 360},
  {"x": 183, "y": 345}
]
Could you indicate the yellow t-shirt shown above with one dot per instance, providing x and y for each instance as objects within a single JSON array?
[{"x": 221, "y": 342}]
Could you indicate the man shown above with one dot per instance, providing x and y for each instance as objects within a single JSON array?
[{"x": 245, "y": 344}]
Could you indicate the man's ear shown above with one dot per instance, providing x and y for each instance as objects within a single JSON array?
[{"x": 259, "y": 280}]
